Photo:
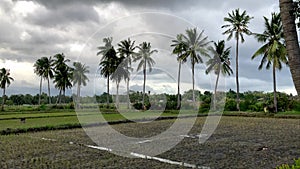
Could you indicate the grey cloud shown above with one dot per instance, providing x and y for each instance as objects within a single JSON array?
[{"x": 60, "y": 17}]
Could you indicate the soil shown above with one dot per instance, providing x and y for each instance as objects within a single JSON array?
[{"x": 238, "y": 142}]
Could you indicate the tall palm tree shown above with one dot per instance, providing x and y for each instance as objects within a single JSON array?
[
  {"x": 195, "y": 45},
  {"x": 179, "y": 48},
  {"x": 5, "y": 81},
  {"x": 273, "y": 51},
  {"x": 237, "y": 27},
  {"x": 44, "y": 69},
  {"x": 107, "y": 60},
  {"x": 79, "y": 77},
  {"x": 144, "y": 58},
  {"x": 63, "y": 75},
  {"x": 121, "y": 72},
  {"x": 220, "y": 63},
  {"x": 126, "y": 49},
  {"x": 39, "y": 70},
  {"x": 291, "y": 40}
]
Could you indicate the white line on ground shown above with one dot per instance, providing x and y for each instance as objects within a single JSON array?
[
  {"x": 144, "y": 141},
  {"x": 140, "y": 155}
]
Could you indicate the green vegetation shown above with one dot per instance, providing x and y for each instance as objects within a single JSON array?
[{"x": 294, "y": 166}]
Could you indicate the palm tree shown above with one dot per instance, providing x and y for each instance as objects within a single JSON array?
[
  {"x": 291, "y": 40},
  {"x": 44, "y": 69},
  {"x": 144, "y": 56},
  {"x": 79, "y": 77},
  {"x": 63, "y": 75},
  {"x": 179, "y": 48},
  {"x": 5, "y": 81},
  {"x": 126, "y": 49},
  {"x": 106, "y": 62},
  {"x": 220, "y": 63},
  {"x": 195, "y": 45},
  {"x": 273, "y": 51},
  {"x": 39, "y": 70},
  {"x": 121, "y": 71},
  {"x": 237, "y": 26}
]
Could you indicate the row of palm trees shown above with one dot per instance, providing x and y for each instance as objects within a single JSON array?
[
  {"x": 63, "y": 75},
  {"x": 116, "y": 65},
  {"x": 192, "y": 46}
]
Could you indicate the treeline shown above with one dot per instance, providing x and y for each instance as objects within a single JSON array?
[
  {"x": 29, "y": 99},
  {"x": 250, "y": 101}
]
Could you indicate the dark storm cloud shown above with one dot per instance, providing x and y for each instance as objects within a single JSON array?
[{"x": 64, "y": 15}]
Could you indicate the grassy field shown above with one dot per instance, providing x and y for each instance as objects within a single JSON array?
[{"x": 64, "y": 119}]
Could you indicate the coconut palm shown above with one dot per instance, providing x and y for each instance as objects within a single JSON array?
[
  {"x": 121, "y": 72},
  {"x": 126, "y": 49},
  {"x": 195, "y": 45},
  {"x": 291, "y": 39},
  {"x": 79, "y": 77},
  {"x": 220, "y": 63},
  {"x": 63, "y": 75},
  {"x": 38, "y": 69},
  {"x": 273, "y": 51},
  {"x": 107, "y": 60},
  {"x": 179, "y": 48},
  {"x": 5, "y": 81},
  {"x": 237, "y": 27},
  {"x": 44, "y": 69},
  {"x": 144, "y": 58}
]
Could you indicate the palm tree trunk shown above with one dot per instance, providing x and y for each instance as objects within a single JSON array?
[
  {"x": 3, "y": 99},
  {"x": 49, "y": 96},
  {"x": 274, "y": 86},
  {"x": 291, "y": 39},
  {"x": 144, "y": 86},
  {"x": 40, "y": 90},
  {"x": 107, "y": 97},
  {"x": 78, "y": 95},
  {"x": 178, "y": 87},
  {"x": 237, "y": 75},
  {"x": 193, "y": 80},
  {"x": 128, "y": 99},
  {"x": 216, "y": 87},
  {"x": 58, "y": 100},
  {"x": 64, "y": 96},
  {"x": 117, "y": 96}
]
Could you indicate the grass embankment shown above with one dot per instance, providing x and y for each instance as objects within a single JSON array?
[{"x": 53, "y": 119}]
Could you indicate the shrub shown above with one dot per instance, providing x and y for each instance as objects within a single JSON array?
[
  {"x": 138, "y": 106},
  {"x": 230, "y": 105},
  {"x": 204, "y": 107},
  {"x": 294, "y": 166},
  {"x": 42, "y": 107}
]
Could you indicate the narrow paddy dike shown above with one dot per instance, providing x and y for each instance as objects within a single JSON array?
[{"x": 137, "y": 155}]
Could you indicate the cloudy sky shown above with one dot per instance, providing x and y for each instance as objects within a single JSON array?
[{"x": 33, "y": 29}]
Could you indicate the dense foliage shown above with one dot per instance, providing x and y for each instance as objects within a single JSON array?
[{"x": 250, "y": 101}]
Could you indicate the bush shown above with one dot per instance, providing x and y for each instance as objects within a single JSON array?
[
  {"x": 230, "y": 105},
  {"x": 204, "y": 107},
  {"x": 42, "y": 107},
  {"x": 138, "y": 106},
  {"x": 295, "y": 105},
  {"x": 286, "y": 166}
]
